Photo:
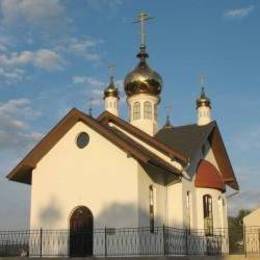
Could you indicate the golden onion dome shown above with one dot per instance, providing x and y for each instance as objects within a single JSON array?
[
  {"x": 143, "y": 79},
  {"x": 203, "y": 100},
  {"x": 111, "y": 90}
]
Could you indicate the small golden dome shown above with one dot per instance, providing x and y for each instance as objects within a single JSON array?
[
  {"x": 143, "y": 79},
  {"x": 203, "y": 100},
  {"x": 111, "y": 90}
]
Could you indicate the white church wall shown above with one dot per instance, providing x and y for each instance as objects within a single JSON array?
[
  {"x": 144, "y": 181},
  {"x": 175, "y": 205},
  {"x": 99, "y": 176}
]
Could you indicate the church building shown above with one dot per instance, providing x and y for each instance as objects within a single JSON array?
[{"x": 105, "y": 172}]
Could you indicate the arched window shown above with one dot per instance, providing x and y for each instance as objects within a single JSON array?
[
  {"x": 188, "y": 211},
  {"x": 208, "y": 215},
  {"x": 136, "y": 111},
  {"x": 147, "y": 110}
]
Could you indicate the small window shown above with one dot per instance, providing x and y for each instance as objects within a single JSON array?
[
  {"x": 82, "y": 140},
  {"x": 136, "y": 111},
  {"x": 147, "y": 110}
]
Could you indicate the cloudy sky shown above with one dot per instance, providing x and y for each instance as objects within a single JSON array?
[{"x": 54, "y": 55}]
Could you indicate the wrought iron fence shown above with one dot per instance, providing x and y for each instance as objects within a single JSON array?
[{"x": 119, "y": 242}]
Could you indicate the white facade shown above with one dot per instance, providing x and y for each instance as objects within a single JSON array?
[{"x": 115, "y": 188}]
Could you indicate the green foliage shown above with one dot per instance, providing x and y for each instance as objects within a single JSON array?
[{"x": 235, "y": 225}]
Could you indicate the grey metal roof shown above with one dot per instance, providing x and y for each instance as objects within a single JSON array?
[{"x": 187, "y": 139}]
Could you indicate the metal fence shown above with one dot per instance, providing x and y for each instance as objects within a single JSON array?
[{"x": 125, "y": 242}]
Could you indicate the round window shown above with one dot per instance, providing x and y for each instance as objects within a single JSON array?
[{"x": 82, "y": 140}]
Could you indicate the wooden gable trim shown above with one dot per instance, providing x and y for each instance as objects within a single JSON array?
[
  {"x": 221, "y": 156},
  {"x": 107, "y": 117},
  {"x": 23, "y": 171}
]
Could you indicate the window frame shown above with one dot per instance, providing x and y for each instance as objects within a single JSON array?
[
  {"x": 208, "y": 214},
  {"x": 136, "y": 110},
  {"x": 148, "y": 110}
]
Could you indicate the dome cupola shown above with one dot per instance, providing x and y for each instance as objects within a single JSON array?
[
  {"x": 203, "y": 100},
  {"x": 143, "y": 87},
  {"x": 143, "y": 79},
  {"x": 111, "y": 90},
  {"x": 203, "y": 106},
  {"x": 111, "y": 97}
]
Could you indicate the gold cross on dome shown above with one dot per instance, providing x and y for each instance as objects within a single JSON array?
[
  {"x": 168, "y": 109},
  {"x": 111, "y": 69},
  {"x": 202, "y": 80},
  {"x": 142, "y": 18}
]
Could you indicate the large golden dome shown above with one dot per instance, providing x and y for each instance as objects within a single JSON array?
[{"x": 143, "y": 79}]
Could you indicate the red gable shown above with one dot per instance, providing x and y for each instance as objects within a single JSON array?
[{"x": 208, "y": 176}]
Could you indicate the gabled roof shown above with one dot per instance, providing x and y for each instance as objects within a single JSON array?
[
  {"x": 190, "y": 138},
  {"x": 207, "y": 176},
  {"x": 171, "y": 151},
  {"x": 23, "y": 171},
  {"x": 187, "y": 139}
]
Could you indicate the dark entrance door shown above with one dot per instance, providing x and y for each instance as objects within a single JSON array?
[{"x": 81, "y": 232}]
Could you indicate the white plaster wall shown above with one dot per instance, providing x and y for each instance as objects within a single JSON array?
[
  {"x": 111, "y": 105},
  {"x": 100, "y": 177},
  {"x": 203, "y": 115},
  {"x": 252, "y": 219},
  {"x": 160, "y": 198},
  {"x": 175, "y": 205}
]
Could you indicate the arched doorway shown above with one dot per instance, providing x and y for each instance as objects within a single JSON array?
[{"x": 81, "y": 232}]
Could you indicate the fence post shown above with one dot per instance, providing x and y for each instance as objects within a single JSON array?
[
  {"x": 186, "y": 241},
  {"x": 105, "y": 241},
  {"x": 164, "y": 241},
  {"x": 244, "y": 240},
  {"x": 41, "y": 242}
]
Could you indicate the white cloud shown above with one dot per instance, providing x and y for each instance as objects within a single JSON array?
[
  {"x": 85, "y": 48},
  {"x": 88, "y": 81},
  {"x": 101, "y": 4},
  {"x": 15, "y": 133},
  {"x": 239, "y": 12},
  {"x": 11, "y": 76},
  {"x": 94, "y": 88},
  {"x": 40, "y": 12},
  {"x": 45, "y": 59}
]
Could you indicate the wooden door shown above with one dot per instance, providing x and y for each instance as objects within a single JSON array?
[{"x": 81, "y": 232}]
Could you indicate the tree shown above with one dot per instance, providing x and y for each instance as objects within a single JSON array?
[{"x": 236, "y": 231}]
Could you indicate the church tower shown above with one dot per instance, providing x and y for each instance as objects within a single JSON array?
[
  {"x": 111, "y": 97},
  {"x": 203, "y": 106},
  {"x": 143, "y": 87}
]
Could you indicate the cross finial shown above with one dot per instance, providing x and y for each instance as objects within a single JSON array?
[
  {"x": 90, "y": 110},
  {"x": 142, "y": 18},
  {"x": 202, "y": 80},
  {"x": 111, "y": 69},
  {"x": 168, "y": 112}
]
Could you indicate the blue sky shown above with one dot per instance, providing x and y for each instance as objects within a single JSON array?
[{"x": 54, "y": 56}]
